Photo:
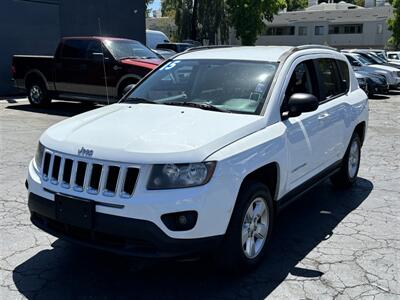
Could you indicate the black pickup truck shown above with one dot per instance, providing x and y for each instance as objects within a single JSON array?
[{"x": 97, "y": 69}]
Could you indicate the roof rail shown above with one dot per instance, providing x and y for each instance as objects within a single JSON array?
[
  {"x": 208, "y": 47},
  {"x": 314, "y": 46}
]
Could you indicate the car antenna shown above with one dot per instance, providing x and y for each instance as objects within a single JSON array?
[{"x": 104, "y": 65}]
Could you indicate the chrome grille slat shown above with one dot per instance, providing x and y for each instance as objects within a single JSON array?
[
  {"x": 61, "y": 173},
  {"x": 80, "y": 180},
  {"x": 50, "y": 172}
]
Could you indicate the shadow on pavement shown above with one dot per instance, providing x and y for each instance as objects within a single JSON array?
[
  {"x": 379, "y": 97},
  {"x": 60, "y": 108},
  {"x": 67, "y": 271}
]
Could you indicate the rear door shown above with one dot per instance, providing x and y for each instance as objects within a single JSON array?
[
  {"x": 333, "y": 81},
  {"x": 72, "y": 66}
]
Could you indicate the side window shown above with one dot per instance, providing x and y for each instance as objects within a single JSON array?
[
  {"x": 75, "y": 49},
  {"x": 300, "y": 82},
  {"x": 328, "y": 77},
  {"x": 344, "y": 76},
  {"x": 93, "y": 47}
]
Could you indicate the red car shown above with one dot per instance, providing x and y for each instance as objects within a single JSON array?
[{"x": 97, "y": 69}]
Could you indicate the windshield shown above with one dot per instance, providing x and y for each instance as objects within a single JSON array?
[
  {"x": 226, "y": 85},
  {"x": 362, "y": 59},
  {"x": 128, "y": 49}
]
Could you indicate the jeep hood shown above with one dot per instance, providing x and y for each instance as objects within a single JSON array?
[{"x": 150, "y": 133}]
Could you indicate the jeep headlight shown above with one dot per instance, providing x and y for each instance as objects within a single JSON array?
[
  {"x": 39, "y": 155},
  {"x": 172, "y": 176}
]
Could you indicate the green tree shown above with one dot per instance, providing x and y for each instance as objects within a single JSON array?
[
  {"x": 296, "y": 4},
  {"x": 247, "y": 17},
  {"x": 182, "y": 11},
  {"x": 394, "y": 24},
  {"x": 198, "y": 19},
  {"x": 213, "y": 21}
]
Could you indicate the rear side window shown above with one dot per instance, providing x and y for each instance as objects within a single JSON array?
[
  {"x": 75, "y": 49},
  {"x": 329, "y": 79},
  {"x": 344, "y": 76}
]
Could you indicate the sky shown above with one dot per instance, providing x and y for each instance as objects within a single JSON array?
[{"x": 156, "y": 5}]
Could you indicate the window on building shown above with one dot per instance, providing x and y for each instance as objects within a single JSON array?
[
  {"x": 319, "y": 30},
  {"x": 302, "y": 30},
  {"x": 346, "y": 29},
  {"x": 280, "y": 30},
  {"x": 379, "y": 29}
]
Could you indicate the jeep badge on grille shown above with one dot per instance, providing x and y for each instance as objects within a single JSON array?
[{"x": 85, "y": 152}]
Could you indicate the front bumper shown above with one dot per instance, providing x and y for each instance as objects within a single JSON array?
[{"x": 118, "y": 234}]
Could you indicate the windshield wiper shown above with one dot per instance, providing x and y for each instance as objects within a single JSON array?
[
  {"x": 205, "y": 106},
  {"x": 137, "y": 100}
]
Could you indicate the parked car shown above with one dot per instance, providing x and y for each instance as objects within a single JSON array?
[
  {"x": 193, "y": 43},
  {"x": 359, "y": 63},
  {"x": 380, "y": 52},
  {"x": 177, "y": 47},
  {"x": 373, "y": 58},
  {"x": 393, "y": 56},
  {"x": 165, "y": 53},
  {"x": 362, "y": 82},
  {"x": 372, "y": 83},
  {"x": 154, "y": 37},
  {"x": 79, "y": 68},
  {"x": 202, "y": 153}
]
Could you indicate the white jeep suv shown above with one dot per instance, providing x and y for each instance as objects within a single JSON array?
[{"x": 202, "y": 153}]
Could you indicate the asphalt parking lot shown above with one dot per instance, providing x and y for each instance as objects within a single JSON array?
[{"x": 330, "y": 243}]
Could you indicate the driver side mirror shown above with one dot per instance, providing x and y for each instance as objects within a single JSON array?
[{"x": 300, "y": 103}]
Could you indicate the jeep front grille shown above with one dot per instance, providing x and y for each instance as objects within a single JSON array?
[{"x": 89, "y": 176}]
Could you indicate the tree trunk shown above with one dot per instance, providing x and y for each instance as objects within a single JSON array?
[{"x": 194, "y": 21}]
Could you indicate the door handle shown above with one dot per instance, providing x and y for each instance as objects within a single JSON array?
[{"x": 323, "y": 116}]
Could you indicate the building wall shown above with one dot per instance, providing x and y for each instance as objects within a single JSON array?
[
  {"x": 119, "y": 18},
  {"x": 35, "y": 26},
  {"x": 26, "y": 27},
  {"x": 370, "y": 38}
]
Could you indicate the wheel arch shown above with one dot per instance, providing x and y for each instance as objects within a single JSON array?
[
  {"x": 129, "y": 78},
  {"x": 35, "y": 75},
  {"x": 360, "y": 130},
  {"x": 268, "y": 175}
]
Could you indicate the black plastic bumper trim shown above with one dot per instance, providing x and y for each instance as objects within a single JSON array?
[{"x": 118, "y": 234}]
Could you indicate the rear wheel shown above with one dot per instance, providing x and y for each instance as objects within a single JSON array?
[
  {"x": 37, "y": 94},
  {"x": 250, "y": 229},
  {"x": 347, "y": 174}
]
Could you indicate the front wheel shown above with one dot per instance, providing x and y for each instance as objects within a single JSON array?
[
  {"x": 347, "y": 174},
  {"x": 38, "y": 94},
  {"x": 250, "y": 229}
]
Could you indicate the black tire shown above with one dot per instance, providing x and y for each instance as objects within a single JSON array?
[
  {"x": 346, "y": 176},
  {"x": 125, "y": 89},
  {"x": 38, "y": 95},
  {"x": 231, "y": 256}
]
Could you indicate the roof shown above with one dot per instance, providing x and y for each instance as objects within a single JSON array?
[
  {"x": 332, "y": 13},
  {"x": 333, "y": 6},
  {"x": 96, "y": 38},
  {"x": 254, "y": 53}
]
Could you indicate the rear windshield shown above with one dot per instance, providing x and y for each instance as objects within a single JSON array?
[{"x": 231, "y": 85}]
